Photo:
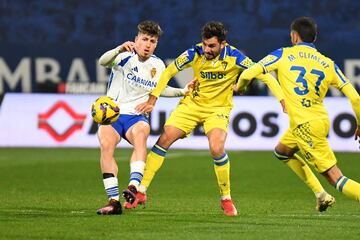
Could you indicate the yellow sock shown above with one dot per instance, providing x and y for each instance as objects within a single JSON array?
[
  {"x": 222, "y": 171},
  {"x": 303, "y": 171},
  {"x": 348, "y": 187},
  {"x": 153, "y": 163}
]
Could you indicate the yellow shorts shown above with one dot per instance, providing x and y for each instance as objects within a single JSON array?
[
  {"x": 310, "y": 138},
  {"x": 186, "y": 117}
]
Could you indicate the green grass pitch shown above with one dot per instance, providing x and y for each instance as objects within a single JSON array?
[{"x": 54, "y": 194}]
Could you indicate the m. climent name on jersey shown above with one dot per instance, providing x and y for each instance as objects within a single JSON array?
[{"x": 310, "y": 56}]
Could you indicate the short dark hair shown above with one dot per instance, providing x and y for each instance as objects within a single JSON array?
[
  {"x": 214, "y": 29},
  {"x": 150, "y": 27},
  {"x": 306, "y": 28}
]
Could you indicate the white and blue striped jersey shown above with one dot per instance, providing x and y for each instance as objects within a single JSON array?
[{"x": 131, "y": 80}]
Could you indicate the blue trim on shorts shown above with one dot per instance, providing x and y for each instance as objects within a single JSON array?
[{"x": 126, "y": 121}]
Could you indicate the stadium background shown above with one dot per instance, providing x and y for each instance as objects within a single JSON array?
[
  {"x": 53, "y": 47},
  {"x": 64, "y": 31}
]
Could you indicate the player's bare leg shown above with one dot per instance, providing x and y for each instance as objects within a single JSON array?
[
  {"x": 217, "y": 138},
  {"x": 347, "y": 186},
  {"x": 137, "y": 136},
  {"x": 108, "y": 139},
  {"x": 157, "y": 154},
  {"x": 303, "y": 171}
]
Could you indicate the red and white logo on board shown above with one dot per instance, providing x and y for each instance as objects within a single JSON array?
[{"x": 53, "y": 121}]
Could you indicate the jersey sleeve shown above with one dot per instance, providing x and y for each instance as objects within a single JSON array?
[
  {"x": 108, "y": 57},
  {"x": 121, "y": 59},
  {"x": 165, "y": 77},
  {"x": 244, "y": 62},
  {"x": 255, "y": 71},
  {"x": 117, "y": 59},
  {"x": 186, "y": 59},
  {"x": 271, "y": 61},
  {"x": 339, "y": 80},
  {"x": 172, "y": 92}
]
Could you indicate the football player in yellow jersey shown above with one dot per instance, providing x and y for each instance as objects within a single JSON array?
[
  {"x": 305, "y": 76},
  {"x": 216, "y": 66}
]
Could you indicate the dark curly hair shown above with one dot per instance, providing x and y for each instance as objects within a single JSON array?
[
  {"x": 150, "y": 27},
  {"x": 214, "y": 29}
]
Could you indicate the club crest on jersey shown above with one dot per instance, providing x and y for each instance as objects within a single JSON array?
[
  {"x": 153, "y": 72},
  {"x": 203, "y": 60},
  {"x": 224, "y": 64}
]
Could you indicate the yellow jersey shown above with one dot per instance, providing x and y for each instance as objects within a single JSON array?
[
  {"x": 305, "y": 76},
  {"x": 215, "y": 77}
]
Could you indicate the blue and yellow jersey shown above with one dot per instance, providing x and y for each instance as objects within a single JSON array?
[
  {"x": 305, "y": 76},
  {"x": 215, "y": 77}
]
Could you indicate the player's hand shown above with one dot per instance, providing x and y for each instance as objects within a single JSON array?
[
  {"x": 357, "y": 135},
  {"x": 144, "y": 108},
  {"x": 282, "y": 102},
  {"x": 190, "y": 86},
  {"x": 241, "y": 91},
  {"x": 148, "y": 106},
  {"x": 127, "y": 46}
]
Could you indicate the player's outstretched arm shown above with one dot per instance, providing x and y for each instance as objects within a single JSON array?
[
  {"x": 349, "y": 91},
  {"x": 179, "y": 92},
  {"x": 165, "y": 77},
  {"x": 272, "y": 84},
  {"x": 148, "y": 106},
  {"x": 256, "y": 71},
  {"x": 274, "y": 87},
  {"x": 108, "y": 57},
  {"x": 246, "y": 77}
]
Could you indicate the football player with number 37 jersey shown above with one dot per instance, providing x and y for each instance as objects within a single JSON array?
[{"x": 305, "y": 76}]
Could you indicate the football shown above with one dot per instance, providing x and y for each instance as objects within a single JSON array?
[{"x": 105, "y": 111}]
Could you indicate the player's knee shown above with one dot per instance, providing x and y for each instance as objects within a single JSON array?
[
  {"x": 141, "y": 128},
  {"x": 166, "y": 139},
  {"x": 107, "y": 144},
  {"x": 281, "y": 155},
  {"x": 138, "y": 139},
  {"x": 216, "y": 150}
]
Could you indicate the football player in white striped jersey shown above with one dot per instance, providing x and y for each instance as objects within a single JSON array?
[{"x": 134, "y": 74}]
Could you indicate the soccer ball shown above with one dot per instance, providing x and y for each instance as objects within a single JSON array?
[{"x": 105, "y": 111}]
